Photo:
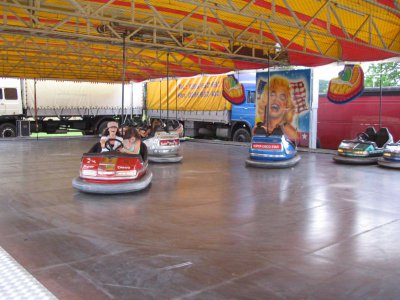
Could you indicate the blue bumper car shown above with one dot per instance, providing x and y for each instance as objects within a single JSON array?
[
  {"x": 273, "y": 151},
  {"x": 366, "y": 148},
  {"x": 391, "y": 156}
]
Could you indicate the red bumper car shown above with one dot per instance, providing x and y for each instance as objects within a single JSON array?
[{"x": 113, "y": 172}]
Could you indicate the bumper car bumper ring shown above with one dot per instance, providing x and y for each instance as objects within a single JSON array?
[
  {"x": 110, "y": 188},
  {"x": 273, "y": 164}
]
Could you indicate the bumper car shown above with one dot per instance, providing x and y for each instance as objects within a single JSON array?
[
  {"x": 113, "y": 172},
  {"x": 391, "y": 156},
  {"x": 366, "y": 148},
  {"x": 273, "y": 151},
  {"x": 164, "y": 147}
]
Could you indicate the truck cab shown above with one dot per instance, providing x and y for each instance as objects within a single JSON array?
[
  {"x": 10, "y": 106},
  {"x": 243, "y": 115},
  {"x": 245, "y": 112},
  {"x": 10, "y": 97}
]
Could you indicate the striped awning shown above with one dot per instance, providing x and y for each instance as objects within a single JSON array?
[{"x": 106, "y": 40}]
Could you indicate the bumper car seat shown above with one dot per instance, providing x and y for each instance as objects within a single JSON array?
[{"x": 382, "y": 137}]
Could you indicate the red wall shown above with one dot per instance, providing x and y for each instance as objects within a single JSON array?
[{"x": 337, "y": 122}]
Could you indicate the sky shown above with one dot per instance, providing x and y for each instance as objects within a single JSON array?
[
  {"x": 330, "y": 71},
  {"x": 326, "y": 72}
]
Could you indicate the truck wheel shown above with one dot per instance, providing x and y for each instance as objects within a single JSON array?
[
  {"x": 87, "y": 132},
  {"x": 102, "y": 126},
  {"x": 241, "y": 135},
  {"x": 7, "y": 130}
]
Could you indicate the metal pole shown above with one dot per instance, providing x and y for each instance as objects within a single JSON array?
[
  {"x": 123, "y": 80},
  {"x": 267, "y": 107},
  {"x": 167, "y": 86},
  {"x": 160, "y": 99},
  {"x": 131, "y": 98},
  {"x": 36, "y": 109},
  {"x": 380, "y": 96}
]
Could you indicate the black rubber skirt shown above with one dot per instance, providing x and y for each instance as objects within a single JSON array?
[
  {"x": 111, "y": 188},
  {"x": 273, "y": 164},
  {"x": 165, "y": 159},
  {"x": 355, "y": 160},
  {"x": 388, "y": 164}
]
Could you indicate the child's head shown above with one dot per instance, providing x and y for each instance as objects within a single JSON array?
[
  {"x": 155, "y": 125},
  {"x": 156, "y": 122},
  {"x": 112, "y": 124},
  {"x": 112, "y": 127},
  {"x": 144, "y": 131},
  {"x": 131, "y": 134}
]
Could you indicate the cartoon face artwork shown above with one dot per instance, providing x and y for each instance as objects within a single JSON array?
[{"x": 277, "y": 102}]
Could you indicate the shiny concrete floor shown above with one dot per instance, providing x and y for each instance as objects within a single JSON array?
[{"x": 207, "y": 228}]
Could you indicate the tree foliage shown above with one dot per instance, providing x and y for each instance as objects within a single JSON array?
[
  {"x": 389, "y": 73},
  {"x": 323, "y": 86}
]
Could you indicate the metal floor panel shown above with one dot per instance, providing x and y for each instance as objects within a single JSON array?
[
  {"x": 17, "y": 283},
  {"x": 206, "y": 228}
]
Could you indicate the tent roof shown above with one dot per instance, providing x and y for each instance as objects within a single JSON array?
[{"x": 83, "y": 40}]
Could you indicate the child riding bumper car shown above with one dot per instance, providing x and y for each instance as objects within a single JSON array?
[
  {"x": 366, "y": 148},
  {"x": 163, "y": 145},
  {"x": 272, "y": 151},
  {"x": 391, "y": 156},
  {"x": 112, "y": 172}
]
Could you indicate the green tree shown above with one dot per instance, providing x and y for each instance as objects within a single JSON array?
[
  {"x": 323, "y": 86},
  {"x": 389, "y": 73}
]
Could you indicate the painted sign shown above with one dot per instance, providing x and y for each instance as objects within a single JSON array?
[
  {"x": 232, "y": 90},
  {"x": 283, "y": 100},
  {"x": 348, "y": 86}
]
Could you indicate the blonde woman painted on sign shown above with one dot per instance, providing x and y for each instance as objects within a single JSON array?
[{"x": 281, "y": 108}]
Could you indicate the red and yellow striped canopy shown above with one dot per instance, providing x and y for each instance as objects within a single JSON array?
[{"x": 106, "y": 40}]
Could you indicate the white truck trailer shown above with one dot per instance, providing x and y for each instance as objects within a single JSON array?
[{"x": 28, "y": 105}]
